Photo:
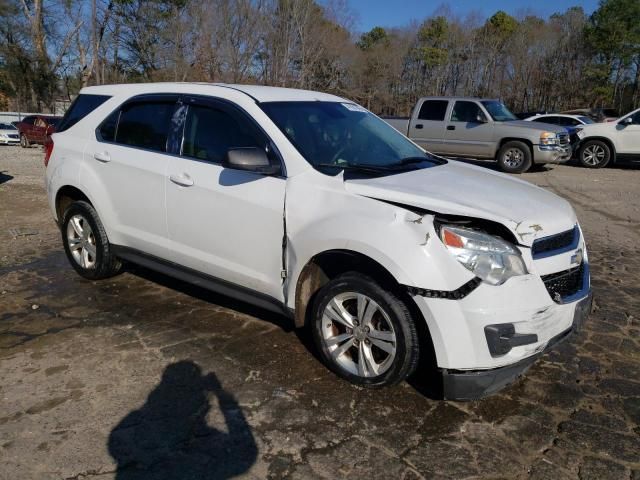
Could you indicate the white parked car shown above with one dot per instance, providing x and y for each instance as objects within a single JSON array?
[
  {"x": 307, "y": 204},
  {"x": 562, "y": 119},
  {"x": 616, "y": 142},
  {"x": 9, "y": 134}
]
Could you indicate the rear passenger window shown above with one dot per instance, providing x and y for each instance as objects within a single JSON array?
[
  {"x": 433, "y": 110},
  {"x": 145, "y": 125},
  {"x": 210, "y": 132},
  {"x": 82, "y": 106}
]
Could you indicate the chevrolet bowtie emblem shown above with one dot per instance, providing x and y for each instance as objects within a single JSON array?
[{"x": 576, "y": 258}]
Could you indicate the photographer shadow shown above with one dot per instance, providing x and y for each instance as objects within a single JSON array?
[{"x": 169, "y": 436}]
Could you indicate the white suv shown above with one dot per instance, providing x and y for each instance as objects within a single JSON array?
[
  {"x": 617, "y": 141},
  {"x": 307, "y": 204}
]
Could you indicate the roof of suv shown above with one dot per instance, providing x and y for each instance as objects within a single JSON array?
[{"x": 258, "y": 92}]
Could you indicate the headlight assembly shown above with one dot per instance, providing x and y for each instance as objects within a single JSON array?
[
  {"x": 490, "y": 258},
  {"x": 549, "y": 138}
]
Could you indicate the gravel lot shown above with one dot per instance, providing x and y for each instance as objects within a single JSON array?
[{"x": 142, "y": 376}]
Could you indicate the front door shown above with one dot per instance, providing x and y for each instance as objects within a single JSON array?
[
  {"x": 630, "y": 136},
  {"x": 469, "y": 132},
  {"x": 226, "y": 223}
]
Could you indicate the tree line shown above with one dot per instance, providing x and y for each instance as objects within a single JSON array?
[{"x": 49, "y": 49}]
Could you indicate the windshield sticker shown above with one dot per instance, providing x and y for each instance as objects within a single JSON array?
[{"x": 354, "y": 108}]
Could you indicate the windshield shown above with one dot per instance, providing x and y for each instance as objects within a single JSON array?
[
  {"x": 53, "y": 120},
  {"x": 341, "y": 135},
  {"x": 7, "y": 126},
  {"x": 498, "y": 111},
  {"x": 586, "y": 120}
]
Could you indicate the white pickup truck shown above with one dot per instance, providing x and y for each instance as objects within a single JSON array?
[
  {"x": 484, "y": 129},
  {"x": 309, "y": 205}
]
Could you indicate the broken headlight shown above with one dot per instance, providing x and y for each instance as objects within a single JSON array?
[{"x": 490, "y": 258}]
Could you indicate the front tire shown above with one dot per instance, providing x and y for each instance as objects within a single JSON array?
[
  {"x": 594, "y": 154},
  {"x": 24, "y": 141},
  {"x": 86, "y": 244},
  {"x": 514, "y": 157},
  {"x": 364, "y": 333}
]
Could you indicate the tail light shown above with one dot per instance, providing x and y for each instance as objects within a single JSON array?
[{"x": 48, "y": 149}]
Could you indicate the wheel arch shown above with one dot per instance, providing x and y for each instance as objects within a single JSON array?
[
  {"x": 505, "y": 140},
  {"x": 326, "y": 265},
  {"x": 65, "y": 196},
  {"x": 605, "y": 140}
]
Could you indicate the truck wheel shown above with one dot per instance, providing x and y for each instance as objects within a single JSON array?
[
  {"x": 24, "y": 142},
  {"x": 594, "y": 154},
  {"x": 364, "y": 333},
  {"x": 514, "y": 157},
  {"x": 86, "y": 243}
]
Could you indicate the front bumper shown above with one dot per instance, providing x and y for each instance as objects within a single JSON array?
[
  {"x": 472, "y": 385},
  {"x": 10, "y": 141},
  {"x": 551, "y": 154}
]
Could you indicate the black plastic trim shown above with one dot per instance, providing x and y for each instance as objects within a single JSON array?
[
  {"x": 465, "y": 385},
  {"x": 203, "y": 280},
  {"x": 502, "y": 337},
  {"x": 457, "y": 294}
]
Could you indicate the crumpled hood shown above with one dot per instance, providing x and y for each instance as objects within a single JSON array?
[{"x": 457, "y": 188}]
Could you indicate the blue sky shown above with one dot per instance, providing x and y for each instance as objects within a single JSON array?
[{"x": 394, "y": 13}]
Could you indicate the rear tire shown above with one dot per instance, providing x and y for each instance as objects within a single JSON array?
[
  {"x": 364, "y": 333},
  {"x": 514, "y": 157},
  {"x": 594, "y": 154},
  {"x": 86, "y": 244},
  {"x": 24, "y": 141}
]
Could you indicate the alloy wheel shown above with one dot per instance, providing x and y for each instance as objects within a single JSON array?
[
  {"x": 513, "y": 157},
  {"x": 81, "y": 241},
  {"x": 593, "y": 155},
  {"x": 358, "y": 334}
]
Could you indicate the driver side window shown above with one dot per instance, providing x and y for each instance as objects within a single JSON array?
[
  {"x": 466, "y": 112},
  {"x": 210, "y": 132}
]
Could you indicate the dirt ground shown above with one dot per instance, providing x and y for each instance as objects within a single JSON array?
[{"x": 142, "y": 376}]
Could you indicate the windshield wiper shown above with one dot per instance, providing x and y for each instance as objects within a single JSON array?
[{"x": 363, "y": 167}]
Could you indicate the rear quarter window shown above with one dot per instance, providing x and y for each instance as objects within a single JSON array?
[{"x": 82, "y": 106}]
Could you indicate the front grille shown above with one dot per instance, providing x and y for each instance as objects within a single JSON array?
[
  {"x": 564, "y": 284},
  {"x": 564, "y": 139},
  {"x": 555, "y": 244},
  {"x": 12, "y": 135}
]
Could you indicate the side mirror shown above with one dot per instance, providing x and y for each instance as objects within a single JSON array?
[
  {"x": 480, "y": 118},
  {"x": 626, "y": 121},
  {"x": 250, "y": 159}
]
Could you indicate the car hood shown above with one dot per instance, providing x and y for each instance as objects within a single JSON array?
[
  {"x": 457, "y": 188},
  {"x": 4, "y": 131},
  {"x": 546, "y": 127}
]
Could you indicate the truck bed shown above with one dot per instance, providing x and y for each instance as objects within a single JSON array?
[{"x": 399, "y": 123}]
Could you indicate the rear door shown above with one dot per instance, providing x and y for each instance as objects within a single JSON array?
[
  {"x": 39, "y": 130},
  {"x": 130, "y": 158},
  {"x": 427, "y": 124},
  {"x": 469, "y": 132},
  {"x": 223, "y": 222}
]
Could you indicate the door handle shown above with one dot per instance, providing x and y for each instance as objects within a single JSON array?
[
  {"x": 451, "y": 127},
  {"x": 103, "y": 157},
  {"x": 418, "y": 126},
  {"x": 184, "y": 180}
]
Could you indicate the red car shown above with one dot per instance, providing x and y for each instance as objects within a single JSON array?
[{"x": 36, "y": 129}]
